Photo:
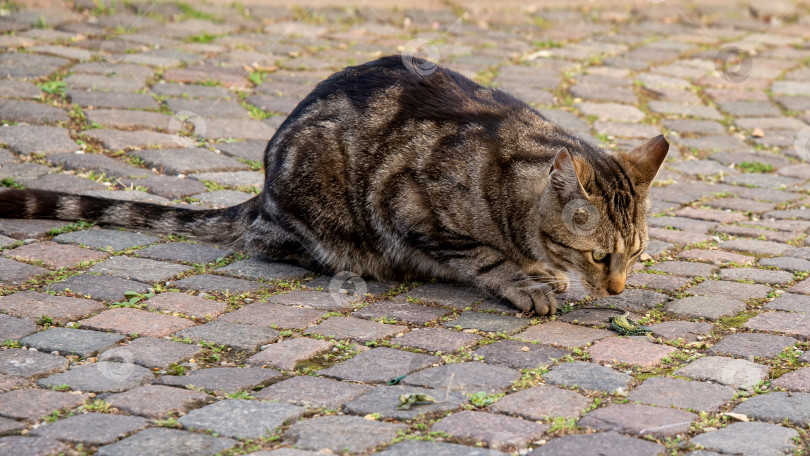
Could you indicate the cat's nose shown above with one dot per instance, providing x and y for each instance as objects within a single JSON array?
[{"x": 615, "y": 285}]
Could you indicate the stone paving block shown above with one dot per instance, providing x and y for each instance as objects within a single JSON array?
[
  {"x": 168, "y": 442},
  {"x": 9, "y": 427},
  {"x": 496, "y": 431},
  {"x": 468, "y": 377},
  {"x": 749, "y": 438},
  {"x": 102, "y": 288},
  {"x": 738, "y": 373},
  {"x": 250, "y": 149},
  {"x": 185, "y": 304},
  {"x": 638, "y": 419},
  {"x": 17, "y": 445},
  {"x": 91, "y": 428},
  {"x": 116, "y": 140},
  {"x": 588, "y": 376},
  {"x": 208, "y": 108},
  {"x": 222, "y": 198},
  {"x": 30, "y": 363},
  {"x": 238, "y": 336},
  {"x": 10, "y": 382},
  {"x": 788, "y": 264},
  {"x": 140, "y": 269},
  {"x": 232, "y": 179},
  {"x": 15, "y": 273},
  {"x": 129, "y": 119},
  {"x": 33, "y": 404},
  {"x": 31, "y": 112},
  {"x": 66, "y": 341},
  {"x": 401, "y": 312},
  {"x": 287, "y": 354},
  {"x": 241, "y": 418},
  {"x": 756, "y": 247},
  {"x": 379, "y": 365},
  {"x": 802, "y": 287},
  {"x": 183, "y": 251},
  {"x": 257, "y": 268},
  {"x": 97, "y": 163},
  {"x": 127, "y": 320},
  {"x": 316, "y": 300},
  {"x": 210, "y": 283},
  {"x": 341, "y": 433},
  {"x": 562, "y": 334},
  {"x": 157, "y": 401},
  {"x": 751, "y": 345},
  {"x": 732, "y": 290},
  {"x": 487, "y": 322},
  {"x": 6, "y": 241},
  {"x": 62, "y": 183},
  {"x": 227, "y": 379},
  {"x": 151, "y": 352},
  {"x": 689, "y": 331},
  {"x": 100, "y": 377},
  {"x": 19, "y": 89},
  {"x": 629, "y": 351},
  {"x": 275, "y": 315},
  {"x": 611, "y": 111},
  {"x": 313, "y": 392},
  {"x": 788, "y": 302},
  {"x": 29, "y": 139},
  {"x": 446, "y": 295},
  {"x": 542, "y": 402},
  {"x": 683, "y": 224},
  {"x": 757, "y": 275},
  {"x": 437, "y": 340},
  {"x": 634, "y": 300},
  {"x": 655, "y": 282},
  {"x": 685, "y": 268},
  {"x": 355, "y": 329},
  {"x": 170, "y": 187},
  {"x": 603, "y": 443},
  {"x": 185, "y": 161},
  {"x": 416, "y": 447},
  {"x": 710, "y": 308},
  {"x": 683, "y": 238},
  {"x": 102, "y": 239},
  {"x": 12, "y": 328},
  {"x": 684, "y": 394},
  {"x": 519, "y": 355},
  {"x": 54, "y": 255},
  {"x": 112, "y": 100},
  {"x": 792, "y": 324},
  {"x": 385, "y": 401}
]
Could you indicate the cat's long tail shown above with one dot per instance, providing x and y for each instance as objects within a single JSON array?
[{"x": 225, "y": 226}]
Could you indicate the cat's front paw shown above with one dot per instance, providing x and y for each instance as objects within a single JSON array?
[{"x": 538, "y": 298}]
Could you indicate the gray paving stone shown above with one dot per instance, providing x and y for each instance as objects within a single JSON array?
[
  {"x": 699, "y": 167},
  {"x": 749, "y": 439},
  {"x": 91, "y": 428},
  {"x": 787, "y": 263},
  {"x": 107, "y": 239},
  {"x": 62, "y": 182},
  {"x": 684, "y": 394},
  {"x": 157, "y": 401},
  {"x": 685, "y": 268},
  {"x": 488, "y": 322},
  {"x": 28, "y": 139},
  {"x": 313, "y": 392},
  {"x": 151, "y": 352},
  {"x": 222, "y": 198},
  {"x": 29, "y": 363},
  {"x": 656, "y": 282},
  {"x": 16, "y": 273},
  {"x": 611, "y": 111},
  {"x": 250, "y": 149},
  {"x": 710, "y": 308},
  {"x": 227, "y": 379},
  {"x": 563, "y": 334},
  {"x": 638, "y": 419},
  {"x": 496, "y": 431},
  {"x": 446, "y": 295},
  {"x": 190, "y": 91},
  {"x": 17, "y": 445},
  {"x": 437, "y": 340},
  {"x": 80, "y": 342},
  {"x": 385, "y": 401},
  {"x": 751, "y": 345},
  {"x": 139, "y": 269},
  {"x": 588, "y": 376},
  {"x": 210, "y": 283},
  {"x": 28, "y": 65},
  {"x": 129, "y": 119},
  {"x": 97, "y": 163},
  {"x": 634, "y": 300},
  {"x": 757, "y": 275},
  {"x": 689, "y": 331},
  {"x": 757, "y": 247},
  {"x": 542, "y": 402},
  {"x": 9, "y": 427},
  {"x": 731, "y": 290},
  {"x": 33, "y": 404},
  {"x": 114, "y": 100},
  {"x": 316, "y": 300},
  {"x": 789, "y": 302},
  {"x": 170, "y": 187},
  {"x": 603, "y": 443},
  {"x": 418, "y": 447},
  {"x": 680, "y": 223},
  {"x": 356, "y": 329},
  {"x": 100, "y": 377},
  {"x": 12, "y": 328},
  {"x": 241, "y": 418},
  {"x": 792, "y": 324},
  {"x": 168, "y": 442},
  {"x": 738, "y": 373},
  {"x": 379, "y": 365},
  {"x": 401, "y": 312},
  {"x": 33, "y": 305},
  {"x": 128, "y": 195},
  {"x": 238, "y": 336},
  {"x": 19, "y": 89},
  {"x": 22, "y": 171},
  {"x": 519, "y": 355},
  {"x": 287, "y": 354},
  {"x": 31, "y": 112},
  {"x": 116, "y": 140},
  {"x": 232, "y": 179},
  {"x": 261, "y": 269},
  {"x": 468, "y": 377},
  {"x": 102, "y": 288},
  {"x": 185, "y": 161},
  {"x": 183, "y": 251},
  {"x": 341, "y": 433}
]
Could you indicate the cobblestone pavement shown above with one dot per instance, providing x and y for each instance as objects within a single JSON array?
[{"x": 122, "y": 343}]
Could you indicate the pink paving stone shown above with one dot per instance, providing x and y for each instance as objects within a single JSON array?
[
  {"x": 713, "y": 215},
  {"x": 563, "y": 334},
  {"x": 185, "y": 304},
  {"x": 798, "y": 380},
  {"x": 794, "y": 324},
  {"x": 55, "y": 255},
  {"x": 629, "y": 351},
  {"x": 287, "y": 354},
  {"x": 127, "y": 320},
  {"x": 277, "y": 315},
  {"x": 32, "y": 305},
  {"x": 716, "y": 256}
]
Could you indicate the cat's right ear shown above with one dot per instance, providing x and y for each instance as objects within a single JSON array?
[{"x": 567, "y": 175}]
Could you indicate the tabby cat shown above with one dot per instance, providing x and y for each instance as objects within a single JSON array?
[{"x": 392, "y": 173}]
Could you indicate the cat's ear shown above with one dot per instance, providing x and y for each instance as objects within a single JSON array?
[
  {"x": 568, "y": 174},
  {"x": 645, "y": 160}
]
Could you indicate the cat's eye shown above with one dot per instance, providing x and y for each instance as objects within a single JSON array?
[{"x": 598, "y": 256}]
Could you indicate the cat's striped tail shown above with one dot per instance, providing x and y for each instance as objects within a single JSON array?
[{"x": 224, "y": 226}]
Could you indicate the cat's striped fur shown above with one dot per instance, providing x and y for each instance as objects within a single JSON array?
[{"x": 390, "y": 173}]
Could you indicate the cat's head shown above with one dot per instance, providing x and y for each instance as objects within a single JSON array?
[{"x": 595, "y": 212}]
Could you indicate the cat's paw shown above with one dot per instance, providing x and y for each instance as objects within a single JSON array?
[
  {"x": 561, "y": 281},
  {"x": 538, "y": 298}
]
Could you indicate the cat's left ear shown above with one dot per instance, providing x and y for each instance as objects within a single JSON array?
[{"x": 646, "y": 159}]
